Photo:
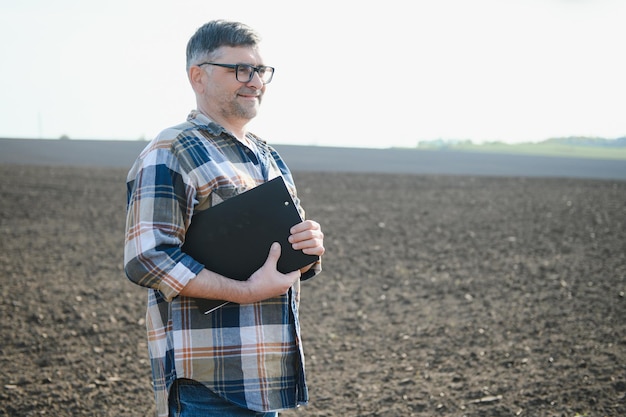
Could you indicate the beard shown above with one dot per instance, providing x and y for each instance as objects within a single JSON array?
[{"x": 242, "y": 109}]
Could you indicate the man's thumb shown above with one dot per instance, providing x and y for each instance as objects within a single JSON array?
[{"x": 274, "y": 253}]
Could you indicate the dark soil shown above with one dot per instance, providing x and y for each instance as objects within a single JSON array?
[{"x": 440, "y": 296}]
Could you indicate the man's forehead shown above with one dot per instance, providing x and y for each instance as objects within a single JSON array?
[{"x": 238, "y": 54}]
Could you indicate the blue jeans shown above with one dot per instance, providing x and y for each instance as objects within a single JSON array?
[{"x": 191, "y": 399}]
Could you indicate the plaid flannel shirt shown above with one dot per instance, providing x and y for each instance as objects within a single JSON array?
[{"x": 248, "y": 354}]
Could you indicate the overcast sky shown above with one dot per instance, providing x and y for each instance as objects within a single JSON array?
[{"x": 348, "y": 73}]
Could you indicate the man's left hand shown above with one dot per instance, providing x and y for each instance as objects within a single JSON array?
[{"x": 308, "y": 237}]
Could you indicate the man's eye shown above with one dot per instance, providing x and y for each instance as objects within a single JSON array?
[{"x": 244, "y": 69}]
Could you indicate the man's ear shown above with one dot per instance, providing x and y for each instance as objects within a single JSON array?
[{"x": 196, "y": 78}]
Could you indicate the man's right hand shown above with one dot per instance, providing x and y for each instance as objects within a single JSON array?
[{"x": 267, "y": 281}]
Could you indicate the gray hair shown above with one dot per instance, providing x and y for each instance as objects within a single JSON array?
[{"x": 218, "y": 33}]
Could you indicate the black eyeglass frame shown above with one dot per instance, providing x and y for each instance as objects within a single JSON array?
[{"x": 236, "y": 68}]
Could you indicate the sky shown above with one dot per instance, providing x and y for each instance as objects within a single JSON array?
[{"x": 348, "y": 73}]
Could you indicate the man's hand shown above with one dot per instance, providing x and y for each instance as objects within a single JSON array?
[
  {"x": 308, "y": 237},
  {"x": 267, "y": 281}
]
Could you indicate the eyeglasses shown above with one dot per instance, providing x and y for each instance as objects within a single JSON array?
[{"x": 245, "y": 72}]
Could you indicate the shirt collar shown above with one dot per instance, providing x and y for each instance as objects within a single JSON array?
[{"x": 201, "y": 121}]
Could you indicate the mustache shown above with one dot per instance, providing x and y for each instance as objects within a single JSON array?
[{"x": 250, "y": 92}]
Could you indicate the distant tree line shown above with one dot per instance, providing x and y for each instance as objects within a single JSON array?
[
  {"x": 571, "y": 141},
  {"x": 586, "y": 141}
]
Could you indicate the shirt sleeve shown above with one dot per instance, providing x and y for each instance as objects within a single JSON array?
[{"x": 159, "y": 202}]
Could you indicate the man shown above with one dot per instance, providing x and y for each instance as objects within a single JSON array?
[{"x": 245, "y": 358}]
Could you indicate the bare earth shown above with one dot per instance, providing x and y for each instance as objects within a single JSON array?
[{"x": 440, "y": 296}]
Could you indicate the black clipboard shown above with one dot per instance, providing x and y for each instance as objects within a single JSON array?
[{"x": 233, "y": 238}]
